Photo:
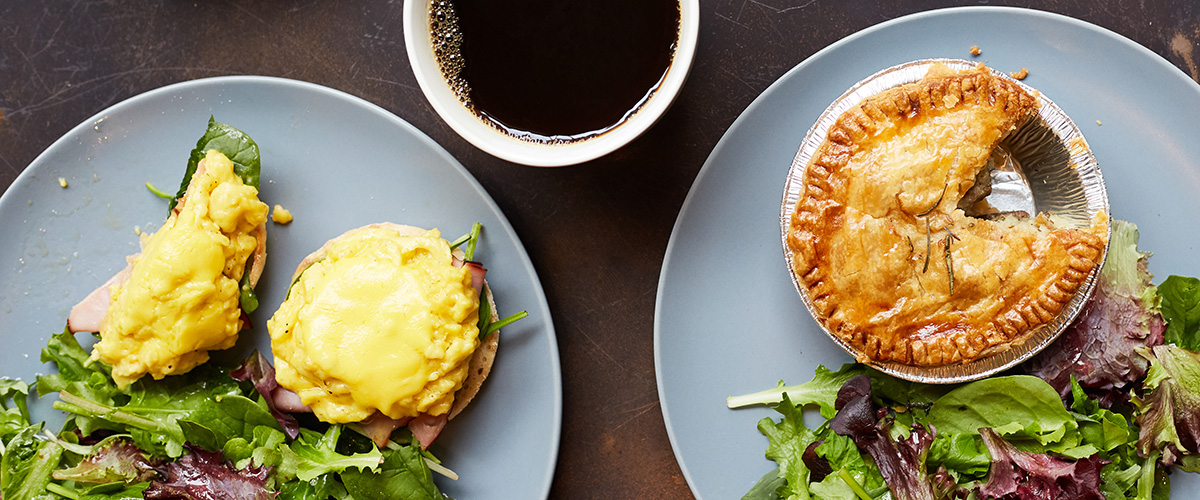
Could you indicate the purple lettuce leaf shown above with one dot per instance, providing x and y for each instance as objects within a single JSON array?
[
  {"x": 259, "y": 371},
  {"x": 203, "y": 475},
  {"x": 818, "y": 466},
  {"x": 117, "y": 460},
  {"x": 1099, "y": 347},
  {"x": 1019, "y": 475},
  {"x": 902, "y": 463},
  {"x": 1169, "y": 414}
]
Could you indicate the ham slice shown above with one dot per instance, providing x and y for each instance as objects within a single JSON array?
[
  {"x": 477, "y": 272},
  {"x": 88, "y": 314},
  {"x": 379, "y": 428},
  {"x": 288, "y": 401},
  {"x": 426, "y": 427}
]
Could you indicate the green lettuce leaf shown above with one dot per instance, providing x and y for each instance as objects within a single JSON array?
[
  {"x": 313, "y": 454},
  {"x": 1169, "y": 414},
  {"x": 14, "y": 413},
  {"x": 1101, "y": 428},
  {"x": 403, "y": 474},
  {"x": 786, "y": 442},
  {"x": 821, "y": 390},
  {"x": 1181, "y": 308},
  {"x": 115, "y": 491},
  {"x": 26, "y": 466}
]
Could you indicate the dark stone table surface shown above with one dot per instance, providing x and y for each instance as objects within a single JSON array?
[{"x": 596, "y": 232}]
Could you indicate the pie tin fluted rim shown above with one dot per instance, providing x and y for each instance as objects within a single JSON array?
[{"x": 1071, "y": 188}]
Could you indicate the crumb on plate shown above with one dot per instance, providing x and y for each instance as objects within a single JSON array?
[
  {"x": 1098, "y": 122},
  {"x": 1020, "y": 75},
  {"x": 975, "y": 50},
  {"x": 281, "y": 215},
  {"x": 62, "y": 181}
]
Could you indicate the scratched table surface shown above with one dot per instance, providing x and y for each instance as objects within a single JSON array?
[{"x": 596, "y": 232}]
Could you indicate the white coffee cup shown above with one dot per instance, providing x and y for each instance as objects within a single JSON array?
[{"x": 419, "y": 41}]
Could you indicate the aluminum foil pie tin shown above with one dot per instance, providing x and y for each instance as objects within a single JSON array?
[{"x": 1044, "y": 166}]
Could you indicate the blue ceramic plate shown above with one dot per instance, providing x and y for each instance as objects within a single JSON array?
[
  {"x": 728, "y": 320},
  {"x": 337, "y": 162}
]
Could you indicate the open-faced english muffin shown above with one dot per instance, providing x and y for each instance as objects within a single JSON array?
[
  {"x": 188, "y": 290},
  {"x": 381, "y": 327}
]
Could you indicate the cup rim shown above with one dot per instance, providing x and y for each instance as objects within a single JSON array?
[{"x": 418, "y": 44}]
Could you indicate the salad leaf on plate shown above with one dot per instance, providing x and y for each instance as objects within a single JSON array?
[
  {"x": 314, "y": 454},
  {"x": 1181, "y": 307},
  {"x": 1169, "y": 413},
  {"x": 113, "y": 460},
  {"x": 258, "y": 371},
  {"x": 1038, "y": 475},
  {"x": 203, "y": 475},
  {"x": 786, "y": 442},
  {"x": 1018, "y": 407},
  {"x": 901, "y": 462},
  {"x": 403, "y": 474},
  {"x": 14, "y": 414},
  {"x": 822, "y": 390},
  {"x": 1123, "y": 314},
  {"x": 26, "y": 466}
]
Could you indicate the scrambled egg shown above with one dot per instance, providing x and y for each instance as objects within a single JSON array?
[
  {"x": 281, "y": 215},
  {"x": 181, "y": 299},
  {"x": 384, "y": 322}
]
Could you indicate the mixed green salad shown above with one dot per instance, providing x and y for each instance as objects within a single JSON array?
[
  {"x": 1105, "y": 413},
  {"x": 202, "y": 435}
]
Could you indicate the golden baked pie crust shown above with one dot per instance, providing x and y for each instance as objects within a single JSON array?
[{"x": 884, "y": 187}]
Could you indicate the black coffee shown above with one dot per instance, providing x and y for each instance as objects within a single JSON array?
[{"x": 554, "y": 71}]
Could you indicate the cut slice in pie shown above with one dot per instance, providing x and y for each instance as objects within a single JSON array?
[{"x": 892, "y": 266}]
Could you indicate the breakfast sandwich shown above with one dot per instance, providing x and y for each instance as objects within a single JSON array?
[
  {"x": 381, "y": 327},
  {"x": 188, "y": 290}
]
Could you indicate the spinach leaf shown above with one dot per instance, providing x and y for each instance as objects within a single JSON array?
[
  {"x": 766, "y": 487},
  {"x": 403, "y": 474},
  {"x": 85, "y": 379},
  {"x": 231, "y": 416},
  {"x": 26, "y": 466},
  {"x": 234, "y": 144},
  {"x": 1181, "y": 308},
  {"x": 150, "y": 411},
  {"x": 322, "y": 487},
  {"x": 1022, "y": 408},
  {"x": 247, "y": 298}
]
